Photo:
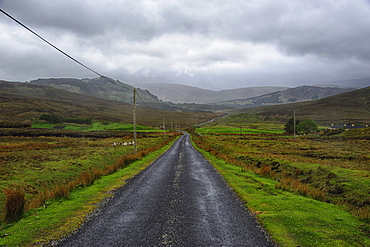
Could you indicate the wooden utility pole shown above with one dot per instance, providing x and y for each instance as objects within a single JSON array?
[
  {"x": 134, "y": 119},
  {"x": 164, "y": 129},
  {"x": 294, "y": 124}
]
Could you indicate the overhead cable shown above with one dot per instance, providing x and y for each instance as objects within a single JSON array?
[
  {"x": 61, "y": 51},
  {"x": 69, "y": 56}
]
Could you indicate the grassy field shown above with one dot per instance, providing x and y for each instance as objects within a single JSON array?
[
  {"x": 96, "y": 126},
  {"x": 34, "y": 170},
  {"x": 314, "y": 188},
  {"x": 58, "y": 217},
  {"x": 241, "y": 128}
]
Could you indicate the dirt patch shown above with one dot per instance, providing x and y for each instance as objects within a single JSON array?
[{"x": 59, "y": 127}]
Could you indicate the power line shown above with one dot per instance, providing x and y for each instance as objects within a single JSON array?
[
  {"x": 145, "y": 103},
  {"x": 151, "y": 109},
  {"x": 69, "y": 56},
  {"x": 58, "y": 49}
]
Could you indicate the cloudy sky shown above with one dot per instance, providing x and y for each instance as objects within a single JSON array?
[{"x": 213, "y": 44}]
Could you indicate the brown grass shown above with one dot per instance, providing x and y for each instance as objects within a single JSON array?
[
  {"x": 14, "y": 204},
  {"x": 308, "y": 167}
]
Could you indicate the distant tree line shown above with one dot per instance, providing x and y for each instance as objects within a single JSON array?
[{"x": 55, "y": 118}]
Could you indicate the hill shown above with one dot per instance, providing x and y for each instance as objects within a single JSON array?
[
  {"x": 98, "y": 87},
  {"x": 186, "y": 94},
  {"x": 350, "y": 107},
  {"x": 102, "y": 88},
  {"x": 349, "y": 83},
  {"x": 297, "y": 94},
  {"x": 25, "y": 102}
]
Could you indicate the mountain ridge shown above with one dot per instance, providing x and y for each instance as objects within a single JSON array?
[
  {"x": 290, "y": 95},
  {"x": 26, "y": 102},
  {"x": 191, "y": 94},
  {"x": 98, "y": 87},
  {"x": 348, "y": 107}
]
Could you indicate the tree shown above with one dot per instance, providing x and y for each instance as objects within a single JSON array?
[
  {"x": 307, "y": 126},
  {"x": 289, "y": 126}
]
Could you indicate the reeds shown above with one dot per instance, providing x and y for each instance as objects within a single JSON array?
[{"x": 14, "y": 204}]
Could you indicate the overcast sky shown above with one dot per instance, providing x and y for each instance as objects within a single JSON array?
[{"x": 212, "y": 44}]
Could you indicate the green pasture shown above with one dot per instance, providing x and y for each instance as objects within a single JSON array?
[
  {"x": 96, "y": 126},
  {"x": 241, "y": 128}
]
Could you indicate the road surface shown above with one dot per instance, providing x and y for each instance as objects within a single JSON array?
[{"x": 179, "y": 200}]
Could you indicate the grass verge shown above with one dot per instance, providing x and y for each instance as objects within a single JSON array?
[
  {"x": 290, "y": 219},
  {"x": 57, "y": 218}
]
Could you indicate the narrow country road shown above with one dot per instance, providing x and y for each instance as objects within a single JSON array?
[{"x": 179, "y": 200}]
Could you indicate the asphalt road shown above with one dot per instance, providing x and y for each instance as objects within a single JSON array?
[{"x": 179, "y": 200}]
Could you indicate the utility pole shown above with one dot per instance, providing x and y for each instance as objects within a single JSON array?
[
  {"x": 164, "y": 129},
  {"x": 294, "y": 123},
  {"x": 134, "y": 119}
]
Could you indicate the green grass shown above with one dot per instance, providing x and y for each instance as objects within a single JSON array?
[
  {"x": 241, "y": 128},
  {"x": 292, "y": 220},
  {"x": 96, "y": 126},
  {"x": 60, "y": 217}
]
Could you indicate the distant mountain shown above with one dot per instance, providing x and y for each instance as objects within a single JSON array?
[
  {"x": 186, "y": 94},
  {"x": 116, "y": 90},
  {"x": 349, "y": 83},
  {"x": 25, "y": 102},
  {"x": 350, "y": 107},
  {"x": 98, "y": 87},
  {"x": 291, "y": 95}
]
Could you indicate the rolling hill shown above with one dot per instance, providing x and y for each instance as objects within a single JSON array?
[
  {"x": 98, "y": 87},
  {"x": 350, "y": 107},
  {"x": 348, "y": 83},
  {"x": 25, "y": 102},
  {"x": 186, "y": 94},
  {"x": 297, "y": 94},
  {"x": 116, "y": 90}
]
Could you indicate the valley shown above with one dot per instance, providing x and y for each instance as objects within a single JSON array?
[{"x": 46, "y": 167}]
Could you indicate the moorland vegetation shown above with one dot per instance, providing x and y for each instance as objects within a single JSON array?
[
  {"x": 328, "y": 168},
  {"x": 307, "y": 191},
  {"x": 39, "y": 169}
]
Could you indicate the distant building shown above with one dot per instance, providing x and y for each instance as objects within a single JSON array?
[{"x": 348, "y": 126}]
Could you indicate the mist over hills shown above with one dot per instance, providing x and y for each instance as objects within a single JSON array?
[
  {"x": 25, "y": 102},
  {"x": 348, "y": 83},
  {"x": 177, "y": 93},
  {"x": 98, "y": 87},
  {"x": 350, "y": 107},
  {"x": 116, "y": 90},
  {"x": 291, "y": 95}
]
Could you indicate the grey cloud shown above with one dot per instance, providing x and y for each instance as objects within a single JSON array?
[{"x": 214, "y": 43}]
